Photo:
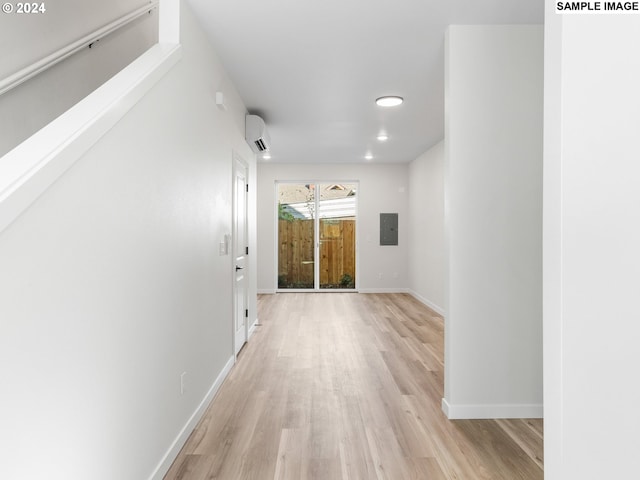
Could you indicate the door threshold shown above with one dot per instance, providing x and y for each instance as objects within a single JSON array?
[{"x": 324, "y": 290}]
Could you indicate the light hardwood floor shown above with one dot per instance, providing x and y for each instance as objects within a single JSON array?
[{"x": 348, "y": 386}]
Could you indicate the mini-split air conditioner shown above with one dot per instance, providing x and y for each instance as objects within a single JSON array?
[{"x": 256, "y": 134}]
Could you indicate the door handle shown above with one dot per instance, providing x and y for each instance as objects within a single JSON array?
[{"x": 239, "y": 268}]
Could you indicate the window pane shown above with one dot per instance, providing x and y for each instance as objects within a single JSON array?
[
  {"x": 296, "y": 213},
  {"x": 337, "y": 232}
]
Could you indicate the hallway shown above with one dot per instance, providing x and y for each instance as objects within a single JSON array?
[{"x": 348, "y": 386}]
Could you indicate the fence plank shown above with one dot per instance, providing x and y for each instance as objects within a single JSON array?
[{"x": 295, "y": 256}]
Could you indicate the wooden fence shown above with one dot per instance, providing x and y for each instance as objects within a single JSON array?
[{"x": 337, "y": 253}]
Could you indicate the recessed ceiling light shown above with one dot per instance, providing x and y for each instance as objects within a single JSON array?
[
  {"x": 266, "y": 156},
  {"x": 383, "y": 138},
  {"x": 389, "y": 101},
  {"x": 368, "y": 156}
]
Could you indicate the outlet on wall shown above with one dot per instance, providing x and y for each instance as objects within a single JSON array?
[
  {"x": 183, "y": 383},
  {"x": 380, "y": 276}
]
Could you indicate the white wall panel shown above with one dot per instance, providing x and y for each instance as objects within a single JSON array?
[
  {"x": 426, "y": 227},
  {"x": 592, "y": 233},
  {"x": 493, "y": 181}
]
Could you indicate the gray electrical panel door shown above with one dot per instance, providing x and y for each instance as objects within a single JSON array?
[{"x": 388, "y": 229}]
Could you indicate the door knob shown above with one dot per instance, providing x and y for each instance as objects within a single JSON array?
[{"x": 239, "y": 268}]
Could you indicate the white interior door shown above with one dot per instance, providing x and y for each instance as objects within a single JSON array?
[{"x": 240, "y": 247}]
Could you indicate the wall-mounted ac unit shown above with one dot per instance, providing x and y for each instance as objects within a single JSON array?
[{"x": 256, "y": 134}]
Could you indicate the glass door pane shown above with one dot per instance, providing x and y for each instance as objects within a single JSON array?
[
  {"x": 296, "y": 236},
  {"x": 337, "y": 235}
]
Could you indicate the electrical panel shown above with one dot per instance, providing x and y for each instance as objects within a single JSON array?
[{"x": 388, "y": 229}]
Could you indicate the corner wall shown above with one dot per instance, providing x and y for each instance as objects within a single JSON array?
[
  {"x": 383, "y": 189},
  {"x": 592, "y": 233},
  {"x": 493, "y": 211},
  {"x": 426, "y": 228},
  {"x": 111, "y": 286}
]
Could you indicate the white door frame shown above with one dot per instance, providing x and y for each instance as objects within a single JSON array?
[
  {"x": 238, "y": 252},
  {"x": 316, "y": 238}
]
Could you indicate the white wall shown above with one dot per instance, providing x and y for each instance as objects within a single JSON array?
[
  {"x": 426, "y": 227},
  {"x": 382, "y": 189},
  {"x": 493, "y": 181},
  {"x": 592, "y": 233},
  {"x": 25, "y": 39},
  {"x": 28, "y": 38},
  {"x": 111, "y": 286}
]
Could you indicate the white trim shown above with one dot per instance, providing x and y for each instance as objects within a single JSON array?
[
  {"x": 239, "y": 166},
  {"x": 467, "y": 412},
  {"x": 384, "y": 290},
  {"x": 436, "y": 308},
  {"x": 252, "y": 329},
  {"x": 553, "y": 198},
  {"x": 266, "y": 291},
  {"x": 445, "y": 408},
  {"x": 30, "y": 168},
  {"x": 276, "y": 233},
  {"x": 313, "y": 290},
  {"x": 168, "y": 458}
]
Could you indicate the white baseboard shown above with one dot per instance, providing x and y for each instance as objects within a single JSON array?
[
  {"x": 266, "y": 291},
  {"x": 436, "y": 308},
  {"x": 164, "y": 465},
  {"x": 252, "y": 329},
  {"x": 383, "y": 290},
  {"x": 468, "y": 412}
]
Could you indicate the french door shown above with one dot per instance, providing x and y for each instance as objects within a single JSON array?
[{"x": 316, "y": 235}]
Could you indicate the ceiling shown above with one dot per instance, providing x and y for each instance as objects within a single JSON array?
[{"x": 313, "y": 69}]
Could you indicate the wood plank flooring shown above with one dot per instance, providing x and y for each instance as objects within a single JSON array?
[{"x": 348, "y": 386}]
